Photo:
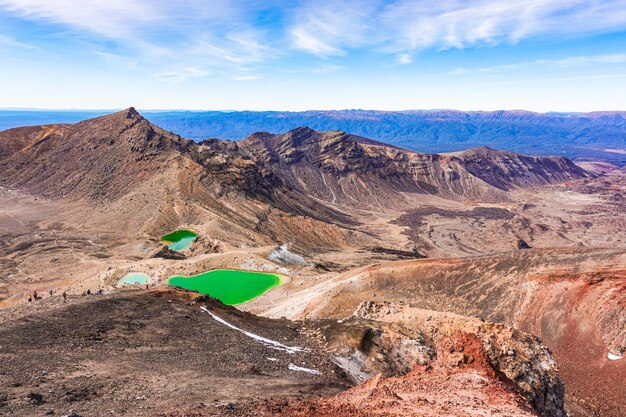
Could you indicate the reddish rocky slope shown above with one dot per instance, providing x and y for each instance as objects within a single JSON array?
[{"x": 562, "y": 295}]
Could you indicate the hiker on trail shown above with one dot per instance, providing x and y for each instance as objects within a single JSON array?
[
  {"x": 147, "y": 286},
  {"x": 35, "y": 295},
  {"x": 30, "y": 298},
  {"x": 64, "y": 296},
  {"x": 50, "y": 293}
]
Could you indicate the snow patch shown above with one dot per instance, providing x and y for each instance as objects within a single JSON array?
[
  {"x": 249, "y": 264},
  {"x": 267, "y": 342},
  {"x": 293, "y": 367},
  {"x": 613, "y": 357},
  {"x": 282, "y": 254}
]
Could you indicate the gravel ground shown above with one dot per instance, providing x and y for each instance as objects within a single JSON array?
[{"x": 138, "y": 352}]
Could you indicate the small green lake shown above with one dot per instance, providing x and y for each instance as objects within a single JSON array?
[
  {"x": 180, "y": 239},
  {"x": 230, "y": 286},
  {"x": 133, "y": 278}
]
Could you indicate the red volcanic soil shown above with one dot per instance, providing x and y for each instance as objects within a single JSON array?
[
  {"x": 460, "y": 382},
  {"x": 587, "y": 316},
  {"x": 574, "y": 300}
]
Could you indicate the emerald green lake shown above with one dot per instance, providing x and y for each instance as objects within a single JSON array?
[
  {"x": 228, "y": 285},
  {"x": 133, "y": 278},
  {"x": 180, "y": 239}
]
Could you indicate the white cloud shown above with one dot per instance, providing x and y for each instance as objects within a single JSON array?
[
  {"x": 404, "y": 26},
  {"x": 405, "y": 59},
  {"x": 246, "y": 77},
  {"x": 583, "y": 60},
  {"x": 458, "y": 71},
  {"x": 13, "y": 43},
  {"x": 418, "y": 24},
  {"x": 309, "y": 43},
  {"x": 572, "y": 61},
  {"x": 111, "y": 18},
  {"x": 328, "y": 28},
  {"x": 218, "y": 36},
  {"x": 229, "y": 32},
  {"x": 178, "y": 76},
  {"x": 325, "y": 69},
  {"x": 128, "y": 62},
  {"x": 120, "y": 18},
  {"x": 154, "y": 28}
]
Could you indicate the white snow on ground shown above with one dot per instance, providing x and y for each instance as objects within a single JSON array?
[
  {"x": 613, "y": 357},
  {"x": 284, "y": 255},
  {"x": 267, "y": 342},
  {"x": 293, "y": 367},
  {"x": 250, "y": 264}
]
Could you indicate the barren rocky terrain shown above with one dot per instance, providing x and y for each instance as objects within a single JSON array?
[{"x": 475, "y": 283}]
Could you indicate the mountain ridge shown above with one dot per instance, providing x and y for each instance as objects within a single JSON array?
[
  {"x": 125, "y": 142},
  {"x": 580, "y": 136}
]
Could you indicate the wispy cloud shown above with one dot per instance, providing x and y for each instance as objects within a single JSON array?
[
  {"x": 246, "y": 77},
  {"x": 405, "y": 26},
  {"x": 328, "y": 68},
  {"x": 236, "y": 32},
  {"x": 458, "y": 71},
  {"x": 584, "y": 60},
  {"x": 178, "y": 76},
  {"x": 122, "y": 18},
  {"x": 329, "y": 28},
  {"x": 572, "y": 61},
  {"x": 110, "y": 18},
  {"x": 13, "y": 43},
  {"x": 155, "y": 29},
  {"x": 238, "y": 48},
  {"x": 571, "y": 78},
  {"x": 308, "y": 42},
  {"x": 405, "y": 59},
  {"x": 128, "y": 62}
]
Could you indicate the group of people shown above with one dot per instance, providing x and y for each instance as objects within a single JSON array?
[{"x": 35, "y": 296}]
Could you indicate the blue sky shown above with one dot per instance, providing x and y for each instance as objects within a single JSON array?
[{"x": 556, "y": 55}]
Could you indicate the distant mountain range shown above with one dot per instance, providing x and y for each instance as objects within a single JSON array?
[
  {"x": 108, "y": 156},
  {"x": 579, "y": 136}
]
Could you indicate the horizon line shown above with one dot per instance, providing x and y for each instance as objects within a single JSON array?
[{"x": 113, "y": 110}]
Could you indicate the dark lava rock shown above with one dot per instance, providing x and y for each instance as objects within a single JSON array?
[
  {"x": 414, "y": 254},
  {"x": 78, "y": 394},
  {"x": 35, "y": 398},
  {"x": 167, "y": 253}
]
